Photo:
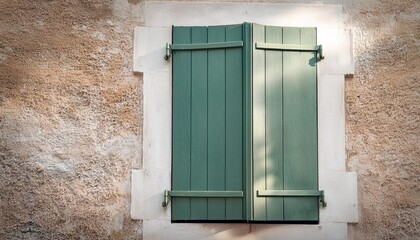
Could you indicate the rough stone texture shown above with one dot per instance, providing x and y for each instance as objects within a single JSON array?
[
  {"x": 383, "y": 118},
  {"x": 70, "y": 118}
]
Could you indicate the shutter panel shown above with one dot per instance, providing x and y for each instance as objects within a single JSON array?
[
  {"x": 284, "y": 126},
  {"x": 207, "y": 139},
  {"x": 215, "y": 175}
]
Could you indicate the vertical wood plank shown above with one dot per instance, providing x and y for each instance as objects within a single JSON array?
[
  {"x": 181, "y": 122},
  {"x": 309, "y": 130},
  {"x": 216, "y": 123},
  {"x": 258, "y": 147},
  {"x": 247, "y": 117},
  {"x": 274, "y": 123},
  {"x": 199, "y": 123},
  {"x": 299, "y": 128},
  {"x": 234, "y": 137}
]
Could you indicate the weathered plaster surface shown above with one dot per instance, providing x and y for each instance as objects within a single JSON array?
[
  {"x": 71, "y": 116},
  {"x": 383, "y": 118},
  {"x": 70, "y": 119}
]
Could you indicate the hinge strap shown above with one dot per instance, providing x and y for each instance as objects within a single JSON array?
[
  {"x": 294, "y": 193},
  {"x": 200, "y": 46},
  {"x": 200, "y": 194},
  {"x": 291, "y": 47}
]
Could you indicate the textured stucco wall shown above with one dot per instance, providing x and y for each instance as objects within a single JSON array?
[
  {"x": 70, "y": 118},
  {"x": 383, "y": 118}
]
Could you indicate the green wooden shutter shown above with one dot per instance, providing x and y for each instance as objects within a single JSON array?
[
  {"x": 207, "y": 139},
  {"x": 284, "y": 126},
  {"x": 226, "y": 163}
]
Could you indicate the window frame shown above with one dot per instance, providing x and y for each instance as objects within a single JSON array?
[{"x": 151, "y": 172}]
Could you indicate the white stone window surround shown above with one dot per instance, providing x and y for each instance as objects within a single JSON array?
[{"x": 149, "y": 182}]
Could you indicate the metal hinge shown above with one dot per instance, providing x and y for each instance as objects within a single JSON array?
[
  {"x": 166, "y": 197},
  {"x": 322, "y": 199},
  {"x": 168, "y": 51}
]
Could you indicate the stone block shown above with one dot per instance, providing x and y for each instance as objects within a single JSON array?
[
  {"x": 341, "y": 196},
  {"x": 337, "y": 45},
  {"x": 149, "y": 49}
]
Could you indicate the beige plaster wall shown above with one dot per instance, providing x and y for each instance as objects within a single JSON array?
[
  {"x": 70, "y": 119},
  {"x": 383, "y": 118},
  {"x": 71, "y": 116}
]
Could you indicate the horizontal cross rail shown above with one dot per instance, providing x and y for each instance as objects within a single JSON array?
[
  {"x": 289, "y": 193},
  {"x": 206, "y": 193},
  {"x": 293, "y": 193},
  {"x": 201, "y": 194},
  {"x": 287, "y": 47},
  {"x": 200, "y": 46},
  {"x": 291, "y": 47}
]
